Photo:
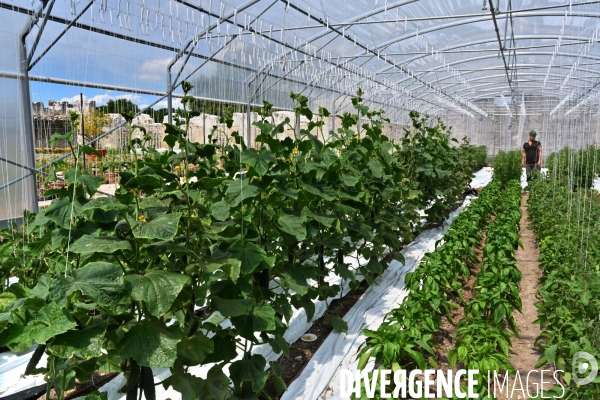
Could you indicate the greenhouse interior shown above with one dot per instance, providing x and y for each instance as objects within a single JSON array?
[{"x": 299, "y": 199}]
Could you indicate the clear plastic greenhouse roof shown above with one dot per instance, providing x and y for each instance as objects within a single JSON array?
[{"x": 430, "y": 55}]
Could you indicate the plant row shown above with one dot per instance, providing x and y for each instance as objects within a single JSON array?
[
  {"x": 568, "y": 228},
  {"x": 574, "y": 168},
  {"x": 482, "y": 338},
  {"x": 199, "y": 258},
  {"x": 405, "y": 339},
  {"x": 507, "y": 166}
]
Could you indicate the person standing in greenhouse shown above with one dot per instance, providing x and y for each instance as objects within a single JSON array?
[{"x": 532, "y": 155}]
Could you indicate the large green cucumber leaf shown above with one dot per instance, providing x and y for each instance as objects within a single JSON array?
[
  {"x": 99, "y": 244},
  {"x": 163, "y": 227},
  {"x": 101, "y": 281},
  {"x": 250, "y": 370},
  {"x": 150, "y": 344},
  {"x": 86, "y": 342},
  {"x": 157, "y": 289},
  {"x": 51, "y": 320},
  {"x": 259, "y": 160},
  {"x": 249, "y": 254}
]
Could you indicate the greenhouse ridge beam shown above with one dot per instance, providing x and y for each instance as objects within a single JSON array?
[
  {"x": 506, "y": 67},
  {"x": 512, "y": 53},
  {"x": 366, "y": 48},
  {"x": 522, "y": 12},
  {"x": 581, "y": 39},
  {"x": 356, "y": 21}
]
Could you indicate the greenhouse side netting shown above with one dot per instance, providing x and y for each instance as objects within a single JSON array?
[{"x": 187, "y": 187}]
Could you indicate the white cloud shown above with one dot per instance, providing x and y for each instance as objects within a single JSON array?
[
  {"x": 163, "y": 104},
  {"x": 102, "y": 99},
  {"x": 155, "y": 70}
]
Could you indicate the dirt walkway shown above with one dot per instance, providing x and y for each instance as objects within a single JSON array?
[{"x": 523, "y": 353}]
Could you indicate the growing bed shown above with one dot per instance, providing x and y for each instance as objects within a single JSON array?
[{"x": 188, "y": 277}]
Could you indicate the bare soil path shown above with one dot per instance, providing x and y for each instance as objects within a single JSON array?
[{"x": 523, "y": 353}]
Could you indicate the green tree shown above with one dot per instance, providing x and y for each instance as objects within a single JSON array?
[
  {"x": 119, "y": 106},
  {"x": 157, "y": 115},
  {"x": 94, "y": 123}
]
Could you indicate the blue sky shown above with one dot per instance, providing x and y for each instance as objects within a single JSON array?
[{"x": 41, "y": 91}]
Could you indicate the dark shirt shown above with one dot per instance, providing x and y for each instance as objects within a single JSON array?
[{"x": 532, "y": 152}]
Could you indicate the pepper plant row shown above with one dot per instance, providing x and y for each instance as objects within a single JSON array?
[
  {"x": 405, "y": 339},
  {"x": 568, "y": 228},
  {"x": 483, "y": 342},
  {"x": 202, "y": 254}
]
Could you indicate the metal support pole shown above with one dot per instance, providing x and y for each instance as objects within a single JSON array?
[
  {"x": 169, "y": 100},
  {"x": 36, "y": 41},
  {"x": 248, "y": 126},
  {"x": 26, "y": 100},
  {"x": 82, "y": 126},
  {"x": 47, "y": 49},
  {"x": 497, "y": 29},
  {"x": 194, "y": 41},
  {"x": 333, "y": 123},
  {"x": 204, "y": 122}
]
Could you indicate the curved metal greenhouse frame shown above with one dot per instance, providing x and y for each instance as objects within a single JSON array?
[{"x": 455, "y": 59}]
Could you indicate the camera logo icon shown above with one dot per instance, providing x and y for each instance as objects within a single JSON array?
[{"x": 584, "y": 363}]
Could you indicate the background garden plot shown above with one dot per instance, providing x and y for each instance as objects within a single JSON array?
[
  {"x": 390, "y": 285},
  {"x": 338, "y": 351}
]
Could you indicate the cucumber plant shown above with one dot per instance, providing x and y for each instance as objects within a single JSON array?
[{"x": 203, "y": 252}]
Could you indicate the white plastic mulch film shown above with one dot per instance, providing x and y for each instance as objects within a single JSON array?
[{"x": 320, "y": 378}]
